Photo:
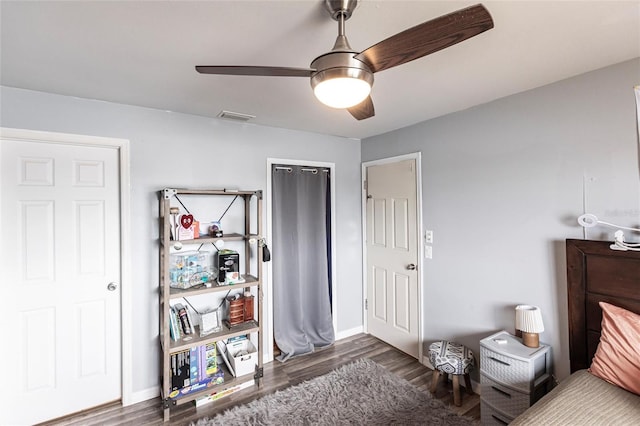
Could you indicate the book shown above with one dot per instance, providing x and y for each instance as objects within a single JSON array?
[
  {"x": 211, "y": 354},
  {"x": 174, "y": 327},
  {"x": 184, "y": 318},
  {"x": 208, "y": 363},
  {"x": 194, "y": 369},
  {"x": 174, "y": 368},
  {"x": 172, "y": 332},
  {"x": 194, "y": 365},
  {"x": 237, "y": 338},
  {"x": 222, "y": 393},
  {"x": 209, "y": 382},
  {"x": 192, "y": 324},
  {"x": 202, "y": 362},
  {"x": 180, "y": 374},
  {"x": 178, "y": 326}
]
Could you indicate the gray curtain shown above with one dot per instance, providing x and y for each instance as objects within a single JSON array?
[{"x": 301, "y": 286}]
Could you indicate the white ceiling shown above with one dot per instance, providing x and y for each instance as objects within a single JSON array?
[{"x": 144, "y": 52}]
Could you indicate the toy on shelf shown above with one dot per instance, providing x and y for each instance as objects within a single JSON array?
[
  {"x": 228, "y": 264},
  {"x": 191, "y": 268},
  {"x": 189, "y": 228}
]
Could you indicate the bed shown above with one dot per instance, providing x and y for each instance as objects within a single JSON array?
[{"x": 595, "y": 273}]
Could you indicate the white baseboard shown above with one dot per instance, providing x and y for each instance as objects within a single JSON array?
[
  {"x": 348, "y": 333},
  {"x": 143, "y": 395},
  {"x": 426, "y": 362}
]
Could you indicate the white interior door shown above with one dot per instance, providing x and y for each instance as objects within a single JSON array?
[
  {"x": 392, "y": 255},
  {"x": 61, "y": 250}
]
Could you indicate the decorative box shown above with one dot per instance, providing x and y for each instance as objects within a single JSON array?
[
  {"x": 236, "y": 311},
  {"x": 228, "y": 264}
]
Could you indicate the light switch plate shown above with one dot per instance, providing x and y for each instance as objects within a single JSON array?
[
  {"x": 428, "y": 252},
  {"x": 428, "y": 236}
]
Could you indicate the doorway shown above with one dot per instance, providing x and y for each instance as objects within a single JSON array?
[
  {"x": 65, "y": 270},
  {"x": 316, "y": 247},
  {"x": 392, "y": 268}
]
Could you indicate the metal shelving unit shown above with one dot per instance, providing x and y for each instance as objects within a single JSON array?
[{"x": 167, "y": 293}]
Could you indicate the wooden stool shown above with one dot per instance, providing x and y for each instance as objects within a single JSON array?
[{"x": 455, "y": 359}]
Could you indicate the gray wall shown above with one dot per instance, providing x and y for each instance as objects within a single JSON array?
[
  {"x": 503, "y": 184},
  {"x": 223, "y": 154}
]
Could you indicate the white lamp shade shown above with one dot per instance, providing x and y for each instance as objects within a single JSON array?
[{"x": 529, "y": 319}]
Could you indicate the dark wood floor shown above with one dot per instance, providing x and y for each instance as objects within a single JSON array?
[{"x": 279, "y": 375}]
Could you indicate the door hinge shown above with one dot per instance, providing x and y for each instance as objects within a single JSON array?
[
  {"x": 365, "y": 187},
  {"x": 366, "y": 304}
]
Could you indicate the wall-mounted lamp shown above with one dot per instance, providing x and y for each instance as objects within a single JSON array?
[
  {"x": 529, "y": 322},
  {"x": 588, "y": 220}
]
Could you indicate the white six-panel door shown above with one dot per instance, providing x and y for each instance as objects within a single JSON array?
[
  {"x": 392, "y": 255},
  {"x": 60, "y": 262}
]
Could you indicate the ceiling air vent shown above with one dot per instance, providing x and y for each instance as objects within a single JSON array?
[{"x": 237, "y": 116}]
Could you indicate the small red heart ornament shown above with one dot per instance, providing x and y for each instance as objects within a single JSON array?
[{"x": 186, "y": 220}]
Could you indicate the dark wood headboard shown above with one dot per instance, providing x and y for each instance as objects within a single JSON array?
[{"x": 596, "y": 273}]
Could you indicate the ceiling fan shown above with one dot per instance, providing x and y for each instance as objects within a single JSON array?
[{"x": 342, "y": 78}]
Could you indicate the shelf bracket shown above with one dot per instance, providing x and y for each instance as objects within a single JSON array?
[
  {"x": 168, "y": 403},
  {"x": 259, "y": 373},
  {"x": 169, "y": 192}
]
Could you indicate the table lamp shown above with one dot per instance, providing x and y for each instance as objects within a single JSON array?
[{"x": 529, "y": 322}]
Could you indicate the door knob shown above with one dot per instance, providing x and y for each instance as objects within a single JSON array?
[
  {"x": 112, "y": 286},
  {"x": 411, "y": 267}
]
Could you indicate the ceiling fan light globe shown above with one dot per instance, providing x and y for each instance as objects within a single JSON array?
[
  {"x": 340, "y": 80},
  {"x": 342, "y": 92}
]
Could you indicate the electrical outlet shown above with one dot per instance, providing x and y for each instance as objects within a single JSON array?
[
  {"x": 428, "y": 252},
  {"x": 428, "y": 236}
]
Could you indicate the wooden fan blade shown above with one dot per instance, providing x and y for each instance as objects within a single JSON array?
[
  {"x": 252, "y": 70},
  {"x": 427, "y": 38},
  {"x": 363, "y": 110}
]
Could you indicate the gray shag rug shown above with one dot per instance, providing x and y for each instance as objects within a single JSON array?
[{"x": 361, "y": 392}]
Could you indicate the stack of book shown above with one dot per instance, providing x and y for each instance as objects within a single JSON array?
[
  {"x": 194, "y": 369},
  {"x": 180, "y": 322}
]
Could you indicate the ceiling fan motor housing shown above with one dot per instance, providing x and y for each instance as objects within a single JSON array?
[
  {"x": 337, "y": 65},
  {"x": 340, "y": 7}
]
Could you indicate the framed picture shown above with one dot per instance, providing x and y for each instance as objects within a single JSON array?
[{"x": 210, "y": 322}]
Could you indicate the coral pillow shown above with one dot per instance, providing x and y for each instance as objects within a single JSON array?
[{"x": 617, "y": 359}]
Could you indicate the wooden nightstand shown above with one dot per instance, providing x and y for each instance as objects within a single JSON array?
[{"x": 512, "y": 377}]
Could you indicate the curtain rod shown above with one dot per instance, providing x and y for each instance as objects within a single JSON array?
[{"x": 289, "y": 169}]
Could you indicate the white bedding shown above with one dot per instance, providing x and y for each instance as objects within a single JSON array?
[{"x": 583, "y": 399}]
